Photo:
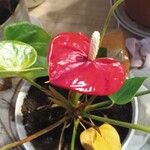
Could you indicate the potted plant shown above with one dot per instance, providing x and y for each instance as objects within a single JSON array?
[{"x": 77, "y": 63}]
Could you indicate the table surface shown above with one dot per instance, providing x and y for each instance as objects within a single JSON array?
[{"x": 55, "y": 16}]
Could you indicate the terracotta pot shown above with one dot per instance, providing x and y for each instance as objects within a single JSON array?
[{"x": 139, "y": 11}]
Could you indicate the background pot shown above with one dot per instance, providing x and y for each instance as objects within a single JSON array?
[
  {"x": 139, "y": 11},
  {"x": 20, "y": 14},
  {"x": 33, "y": 3},
  {"x": 22, "y": 132}
]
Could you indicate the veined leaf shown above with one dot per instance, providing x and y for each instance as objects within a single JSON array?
[
  {"x": 127, "y": 91},
  {"x": 37, "y": 38},
  {"x": 30, "y": 34},
  {"x": 16, "y": 56},
  {"x": 104, "y": 137},
  {"x": 41, "y": 62}
]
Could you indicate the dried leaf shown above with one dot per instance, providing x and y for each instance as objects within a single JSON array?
[{"x": 104, "y": 138}]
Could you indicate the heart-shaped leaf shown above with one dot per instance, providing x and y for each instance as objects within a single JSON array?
[
  {"x": 16, "y": 57},
  {"x": 34, "y": 36},
  {"x": 104, "y": 137},
  {"x": 30, "y": 34},
  {"x": 127, "y": 91},
  {"x": 41, "y": 62},
  {"x": 69, "y": 67}
]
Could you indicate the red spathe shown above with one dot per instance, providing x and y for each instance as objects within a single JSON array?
[{"x": 69, "y": 67}]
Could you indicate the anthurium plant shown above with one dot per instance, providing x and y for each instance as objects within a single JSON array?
[{"x": 75, "y": 62}]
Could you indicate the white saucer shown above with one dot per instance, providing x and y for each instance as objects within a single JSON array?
[{"x": 130, "y": 25}]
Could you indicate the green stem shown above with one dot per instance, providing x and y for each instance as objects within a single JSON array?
[
  {"x": 74, "y": 97},
  {"x": 34, "y": 136},
  {"x": 97, "y": 105},
  {"x": 107, "y": 107},
  {"x": 110, "y": 13},
  {"x": 61, "y": 98},
  {"x": 142, "y": 93},
  {"x": 91, "y": 99},
  {"x": 61, "y": 136},
  {"x": 23, "y": 71},
  {"x": 76, "y": 123},
  {"x": 116, "y": 122},
  {"x": 60, "y": 102}
]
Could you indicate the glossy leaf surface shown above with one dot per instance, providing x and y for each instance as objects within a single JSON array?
[
  {"x": 16, "y": 56},
  {"x": 127, "y": 91},
  {"x": 41, "y": 62},
  {"x": 37, "y": 38},
  {"x": 30, "y": 34},
  {"x": 69, "y": 67},
  {"x": 104, "y": 138}
]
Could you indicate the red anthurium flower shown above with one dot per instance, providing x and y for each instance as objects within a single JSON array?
[{"x": 70, "y": 67}]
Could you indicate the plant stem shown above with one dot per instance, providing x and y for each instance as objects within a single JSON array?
[
  {"x": 62, "y": 102},
  {"x": 110, "y": 13},
  {"x": 76, "y": 123},
  {"x": 74, "y": 97},
  {"x": 97, "y": 105},
  {"x": 107, "y": 107},
  {"x": 91, "y": 99},
  {"x": 61, "y": 136},
  {"x": 116, "y": 122},
  {"x": 32, "y": 82},
  {"x": 34, "y": 136},
  {"x": 142, "y": 93}
]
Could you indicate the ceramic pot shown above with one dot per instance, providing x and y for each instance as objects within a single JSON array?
[
  {"x": 20, "y": 14},
  {"x": 139, "y": 11},
  {"x": 21, "y": 129},
  {"x": 33, "y": 3}
]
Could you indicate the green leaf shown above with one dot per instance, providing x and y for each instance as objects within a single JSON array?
[
  {"x": 128, "y": 90},
  {"x": 102, "y": 52},
  {"x": 41, "y": 62},
  {"x": 30, "y": 34},
  {"x": 16, "y": 56}
]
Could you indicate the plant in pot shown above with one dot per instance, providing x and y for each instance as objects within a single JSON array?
[
  {"x": 76, "y": 62},
  {"x": 10, "y": 11}
]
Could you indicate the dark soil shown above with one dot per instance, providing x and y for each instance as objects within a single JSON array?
[
  {"x": 7, "y": 8},
  {"x": 38, "y": 115}
]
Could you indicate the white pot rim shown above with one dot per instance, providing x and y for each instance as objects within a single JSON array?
[{"x": 22, "y": 132}]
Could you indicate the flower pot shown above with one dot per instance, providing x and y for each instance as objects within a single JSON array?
[
  {"x": 21, "y": 128},
  {"x": 33, "y": 3},
  {"x": 20, "y": 14},
  {"x": 139, "y": 11}
]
